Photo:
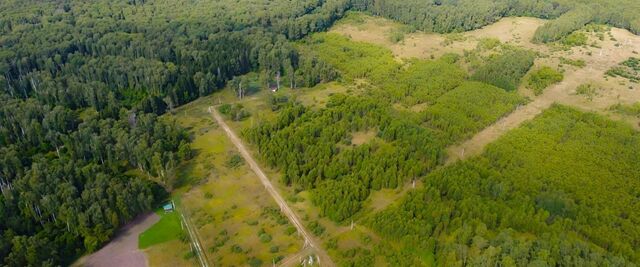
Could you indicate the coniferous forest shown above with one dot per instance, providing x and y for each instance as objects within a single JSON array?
[{"x": 83, "y": 149}]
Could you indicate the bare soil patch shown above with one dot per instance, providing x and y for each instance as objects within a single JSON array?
[
  {"x": 359, "y": 138},
  {"x": 598, "y": 60}
]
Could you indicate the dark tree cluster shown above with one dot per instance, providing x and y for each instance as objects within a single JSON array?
[{"x": 63, "y": 182}]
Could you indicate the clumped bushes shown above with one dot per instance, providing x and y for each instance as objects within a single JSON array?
[
  {"x": 234, "y": 161},
  {"x": 542, "y": 78},
  {"x": 631, "y": 110},
  {"x": 576, "y": 63},
  {"x": 507, "y": 69},
  {"x": 575, "y": 39},
  {"x": 469, "y": 108},
  {"x": 236, "y": 112},
  {"x": 629, "y": 69},
  {"x": 587, "y": 90}
]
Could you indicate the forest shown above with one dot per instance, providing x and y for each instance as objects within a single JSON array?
[
  {"x": 542, "y": 194},
  {"x": 408, "y": 145},
  {"x": 83, "y": 150}
]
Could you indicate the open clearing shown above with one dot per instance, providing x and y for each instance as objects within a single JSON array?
[
  {"x": 166, "y": 229},
  {"x": 599, "y": 58},
  {"x": 238, "y": 223},
  {"x": 422, "y": 45}
]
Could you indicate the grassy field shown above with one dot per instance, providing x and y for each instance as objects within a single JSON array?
[
  {"x": 238, "y": 222},
  {"x": 167, "y": 229}
]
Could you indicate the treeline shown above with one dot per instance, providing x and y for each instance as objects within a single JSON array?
[
  {"x": 561, "y": 27},
  {"x": 153, "y": 63},
  {"x": 63, "y": 182},
  {"x": 445, "y": 16},
  {"x": 561, "y": 190}
]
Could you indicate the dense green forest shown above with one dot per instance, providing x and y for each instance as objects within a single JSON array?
[
  {"x": 546, "y": 193},
  {"x": 81, "y": 148}
]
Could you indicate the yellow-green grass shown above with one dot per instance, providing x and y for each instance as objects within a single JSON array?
[
  {"x": 166, "y": 229},
  {"x": 227, "y": 203},
  {"x": 171, "y": 253}
]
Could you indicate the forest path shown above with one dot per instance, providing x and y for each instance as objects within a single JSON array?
[
  {"x": 598, "y": 62},
  {"x": 563, "y": 93},
  {"x": 310, "y": 241}
]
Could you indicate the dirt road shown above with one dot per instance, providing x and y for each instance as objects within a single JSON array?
[
  {"x": 598, "y": 61},
  {"x": 123, "y": 250},
  {"x": 309, "y": 240}
]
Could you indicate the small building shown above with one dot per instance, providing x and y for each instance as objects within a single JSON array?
[{"x": 168, "y": 207}]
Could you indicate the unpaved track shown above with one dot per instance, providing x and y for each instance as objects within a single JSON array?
[
  {"x": 123, "y": 250},
  {"x": 310, "y": 241},
  {"x": 562, "y": 93},
  {"x": 556, "y": 93}
]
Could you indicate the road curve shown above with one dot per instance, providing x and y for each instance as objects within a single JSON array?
[{"x": 309, "y": 240}]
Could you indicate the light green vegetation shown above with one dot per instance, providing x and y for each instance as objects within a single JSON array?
[
  {"x": 353, "y": 59},
  {"x": 630, "y": 110},
  {"x": 421, "y": 81},
  {"x": 575, "y": 39},
  {"x": 629, "y": 69},
  {"x": 542, "y": 78},
  {"x": 548, "y": 182},
  {"x": 167, "y": 229},
  {"x": 573, "y": 62},
  {"x": 236, "y": 219},
  {"x": 588, "y": 90},
  {"x": 408, "y": 144},
  {"x": 468, "y": 109}
]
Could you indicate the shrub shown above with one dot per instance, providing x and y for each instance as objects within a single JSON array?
[
  {"x": 236, "y": 249},
  {"x": 235, "y": 161},
  {"x": 236, "y": 112},
  {"x": 542, "y": 78},
  {"x": 588, "y": 90},
  {"x": 255, "y": 262},
  {"x": 316, "y": 228},
  {"x": 265, "y": 238},
  {"x": 575, "y": 39},
  {"x": 576, "y": 63}
]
